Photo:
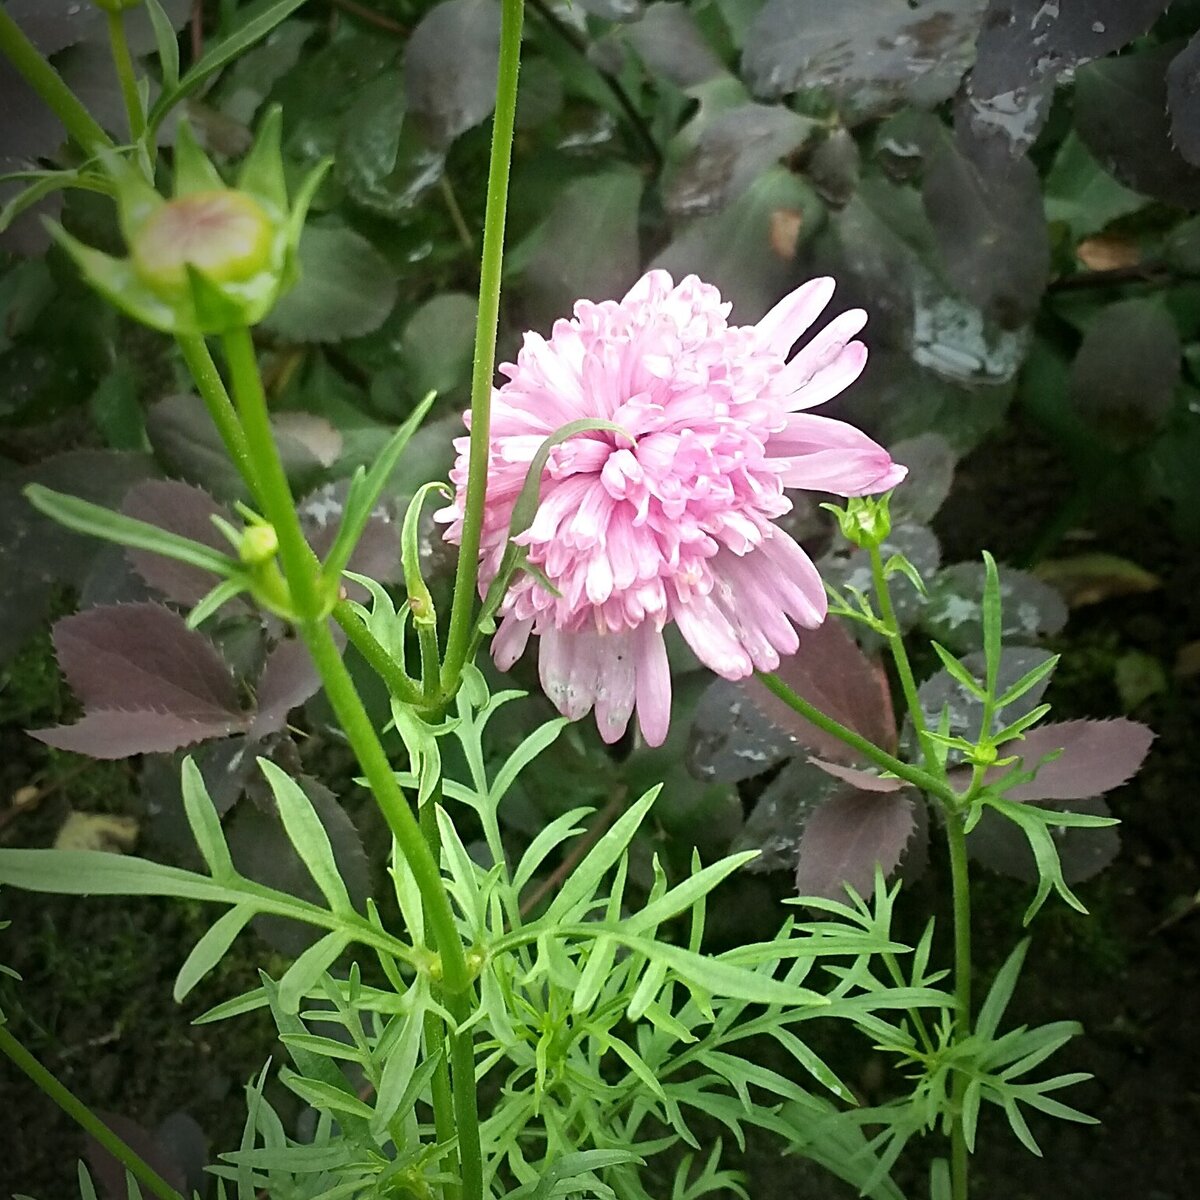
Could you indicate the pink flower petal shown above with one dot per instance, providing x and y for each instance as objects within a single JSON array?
[{"x": 830, "y": 456}]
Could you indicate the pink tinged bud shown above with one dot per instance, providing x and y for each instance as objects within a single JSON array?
[{"x": 226, "y": 235}]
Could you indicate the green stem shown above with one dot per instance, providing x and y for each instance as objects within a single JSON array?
[
  {"x": 881, "y": 758},
  {"x": 126, "y": 76},
  {"x": 377, "y": 658},
  {"x": 274, "y": 492},
  {"x": 462, "y": 615},
  {"x": 435, "y": 1033},
  {"x": 82, "y": 1115},
  {"x": 960, "y": 873},
  {"x": 908, "y": 683},
  {"x": 46, "y": 81},
  {"x": 216, "y": 399}
]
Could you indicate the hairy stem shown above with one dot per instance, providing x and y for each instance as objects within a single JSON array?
[
  {"x": 462, "y": 614},
  {"x": 377, "y": 658},
  {"x": 46, "y": 81},
  {"x": 126, "y": 76},
  {"x": 83, "y": 1116}
]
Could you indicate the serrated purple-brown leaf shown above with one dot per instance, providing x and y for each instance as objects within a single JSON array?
[
  {"x": 867, "y": 781},
  {"x": 1096, "y": 757},
  {"x": 847, "y": 837},
  {"x": 288, "y": 679},
  {"x": 834, "y": 675},
  {"x": 119, "y": 733},
  {"x": 132, "y": 656},
  {"x": 188, "y": 511}
]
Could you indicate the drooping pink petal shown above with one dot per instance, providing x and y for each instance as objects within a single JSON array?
[
  {"x": 785, "y": 324},
  {"x": 830, "y": 456},
  {"x": 653, "y": 684}
]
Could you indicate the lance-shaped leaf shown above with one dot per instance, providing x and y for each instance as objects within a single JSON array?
[
  {"x": 147, "y": 683},
  {"x": 848, "y": 837}
]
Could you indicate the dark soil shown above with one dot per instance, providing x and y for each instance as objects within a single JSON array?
[{"x": 95, "y": 1004}]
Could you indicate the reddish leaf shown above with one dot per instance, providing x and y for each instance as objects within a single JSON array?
[
  {"x": 288, "y": 679},
  {"x": 148, "y": 683},
  {"x": 847, "y": 837},
  {"x": 183, "y": 509},
  {"x": 866, "y": 781},
  {"x": 730, "y": 740},
  {"x": 832, "y": 673},
  {"x": 1097, "y": 756},
  {"x": 1001, "y": 846}
]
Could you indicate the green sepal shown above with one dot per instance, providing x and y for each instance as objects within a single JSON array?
[
  {"x": 136, "y": 200},
  {"x": 194, "y": 172},
  {"x": 214, "y": 310},
  {"x": 261, "y": 173}
]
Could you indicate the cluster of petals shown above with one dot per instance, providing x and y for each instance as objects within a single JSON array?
[{"x": 672, "y": 519}]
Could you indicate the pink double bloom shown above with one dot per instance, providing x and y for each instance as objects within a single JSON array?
[{"x": 674, "y": 522}]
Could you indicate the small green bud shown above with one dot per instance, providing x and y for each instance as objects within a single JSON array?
[
  {"x": 225, "y": 234},
  {"x": 259, "y": 544},
  {"x": 984, "y": 755},
  {"x": 865, "y": 521}
]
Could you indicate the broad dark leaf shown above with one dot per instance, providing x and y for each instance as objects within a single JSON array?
[
  {"x": 1127, "y": 369},
  {"x": 870, "y": 52},
  {"x": 941, "y": 691},
  {"x": 832, "y": 674},
  {"x": 954, "y": 612},
  {"x": 847, "y": 837},
  {"x": 346, "y": 289},
  {"x": 930, "y": 460},
  {"x": 378, "y": 551},
  {"x": 261, "y": 850},
  {"x": 385, "y": 156},
  {"x": 990, "y": 227},
  {"x": 450, "y": 65},
  {"x": 1183, "y": 99},
  {"x": 52, "y": 25},
  {"x": 668, "y": 41},
  {"x": 731, "y": 740},
  {"x": 187, "y": 443},
  {"x": 587, "y": 245},
  {"x": 288, "y": 679},
  {"x": 1081, "y": 194},
  {"x": 1096, "y": 757},
  {"x": 748, "y": 249},
  {"x": 776, "y": 822},
  {"x": 110, "y": 1173},
  {"x": 1121, "y": 114},
  {"x": 1025, "y": 45},
  {"x": 1001, "y": 846},
  {"x": 438, "y": 342},
  {"x": 183, "y": 509},
  {"x": 731, "y": 151},
  {"x": 147, "y": 683}
]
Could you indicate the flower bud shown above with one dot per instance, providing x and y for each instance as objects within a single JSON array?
[
  {"x": 259, "y": 544},
  {"x": 865, "y": 521}
]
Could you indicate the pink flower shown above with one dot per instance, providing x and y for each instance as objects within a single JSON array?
[{"x": 675, "y": 521}]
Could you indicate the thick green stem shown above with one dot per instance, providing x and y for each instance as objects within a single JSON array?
[
  {"x": 82, "y": 1115},
  {"x": 303, "y": 577},
  {"x": 462, "y": 615},
  {"x": 46, "y": 81},
  {"x": 960, "y": 873},
  {"x": 220, "y": 408},
  {"x": 881, "y": 758},
  {"x": 126, "y": 76}
]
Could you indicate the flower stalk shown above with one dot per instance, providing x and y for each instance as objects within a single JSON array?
[{"x": 462, "y": 614}]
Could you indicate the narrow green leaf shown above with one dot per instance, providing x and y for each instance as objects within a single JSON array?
[
  {"x": 533, "y": 745},
  {"x": 683, "y": 896},
  {"x": 237, "y": 1006},
  {"x": 308, "y": 836},
  {"x": 1029, "y": 680},
  {"x": 326, "y": 1097},
  {"x": 205, "y": 823},
  {"x": 166, "y": 42},
  {"x": 98, "y": 873},
  {"x": 211, "y": 948},
  {"x": 958, "y": 672},
  {"x": 546, "y": 842},
  {"x": 581, "y": 884},
  {"x": 992, "y": 621},
  {"x": 939, "y": 1180},
  {"x": 326, "y": 1047},
  {"x": 1001, "y": 992},
  {"x": 302, "y": 976},
  {"x": 84, "y": 517}
]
